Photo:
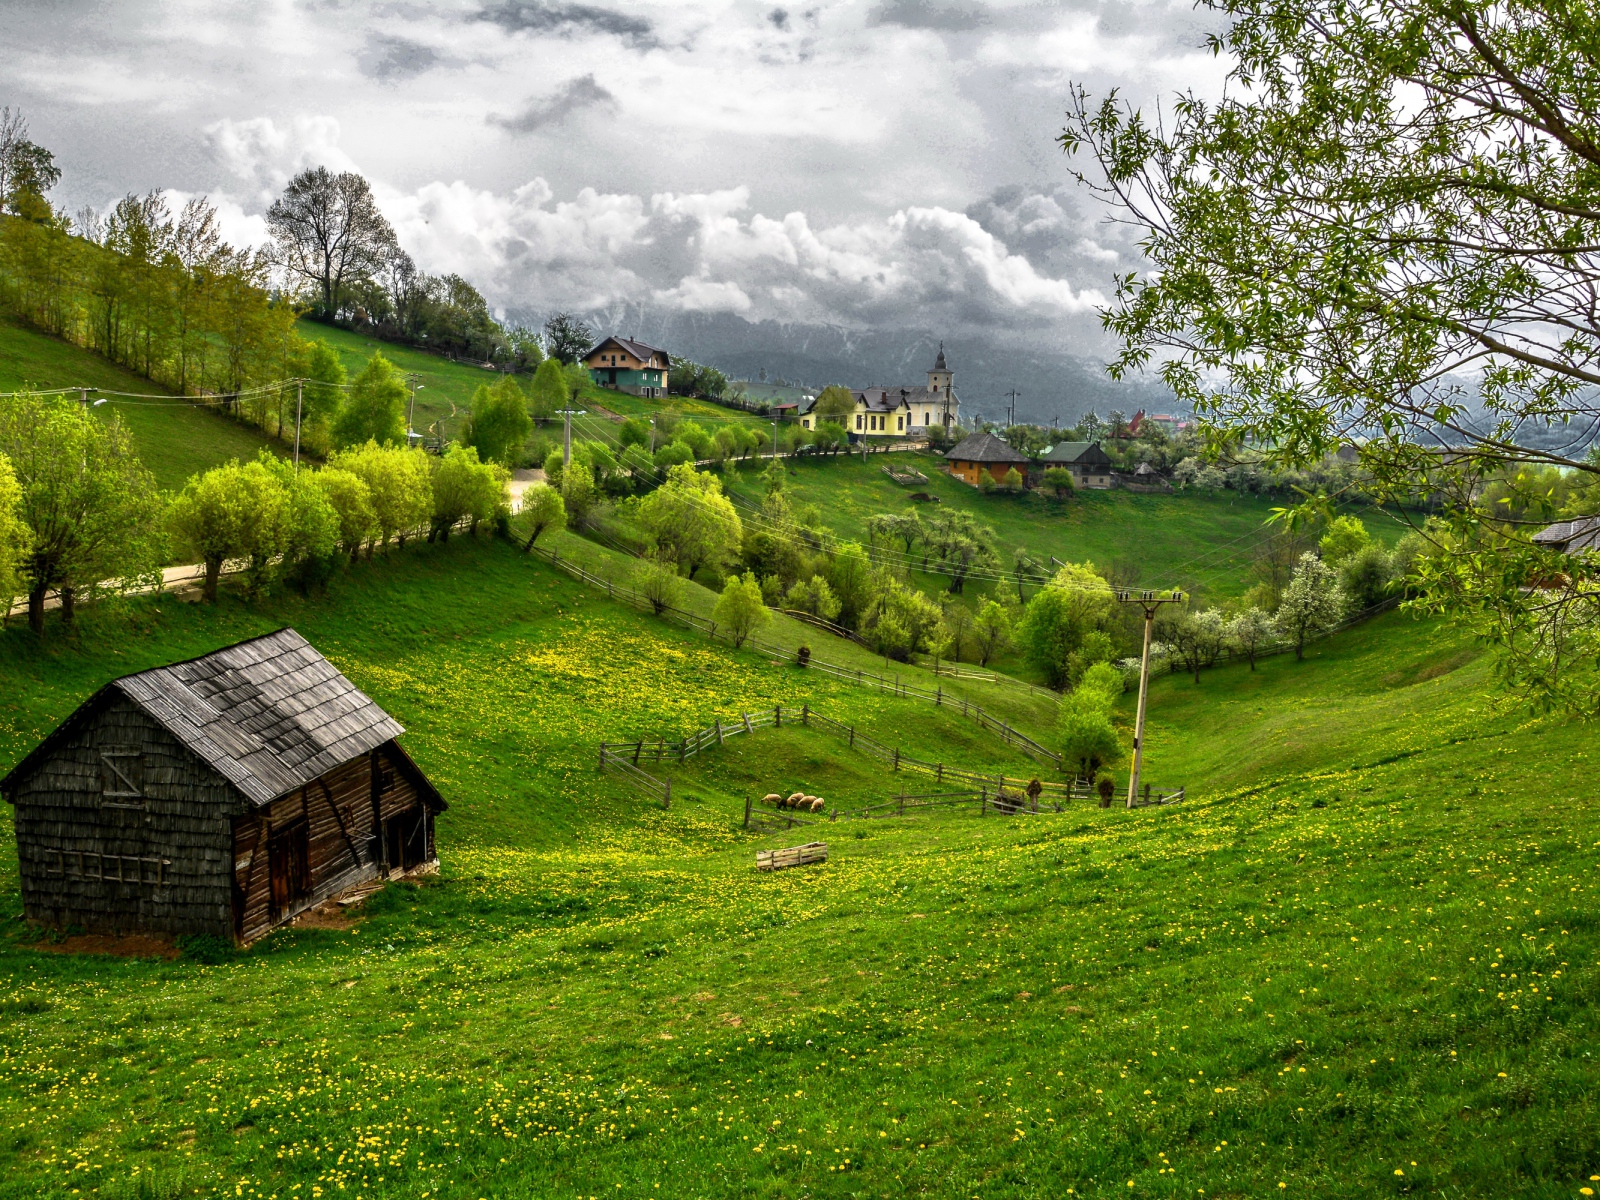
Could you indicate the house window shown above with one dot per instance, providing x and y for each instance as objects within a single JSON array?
[
  {"x": 858, "y": 420},
  {"x": 899, "y": 422},
  {"x": 122, "y": 777}
]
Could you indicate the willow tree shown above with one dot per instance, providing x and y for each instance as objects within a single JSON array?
[{"x": 1386, "y": 231}]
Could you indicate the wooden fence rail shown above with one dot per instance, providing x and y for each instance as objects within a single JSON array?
[{"x": 616, "y": 757}]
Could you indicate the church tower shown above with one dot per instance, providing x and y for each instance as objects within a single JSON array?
[{"x": 941, "y": 377}]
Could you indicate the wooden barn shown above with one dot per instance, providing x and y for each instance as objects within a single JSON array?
[{"x": 217, "y": 796}]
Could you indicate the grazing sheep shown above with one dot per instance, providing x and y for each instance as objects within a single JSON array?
[
  {"x": 794, "y": 799},
  {"x": 817, "y": 803},
  {"x": 773, "y": 799}
]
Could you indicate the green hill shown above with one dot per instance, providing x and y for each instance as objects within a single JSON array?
[
  {"x": 1359, "y": 960},
  {"x": 175, "y": 438}
]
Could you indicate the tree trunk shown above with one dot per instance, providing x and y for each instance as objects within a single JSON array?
[
  {"x": 208, "y": 590},
  {"x": 36, "y": 608},
  {"x": 68, "y": 611}
]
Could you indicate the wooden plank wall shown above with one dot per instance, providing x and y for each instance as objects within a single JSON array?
[{"x": 63, "y": 827}]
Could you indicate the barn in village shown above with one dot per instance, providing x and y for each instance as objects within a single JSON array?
[{"x": 219, "y": 796}]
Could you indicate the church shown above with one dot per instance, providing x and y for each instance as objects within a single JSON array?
[{"x": 889, "y": 411}]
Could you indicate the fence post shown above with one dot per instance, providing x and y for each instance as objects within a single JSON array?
[
  {"x": 777, "y": 716},
  {"x": 683, "y": 746},
  {"x": 747, "y": 812},
  {"x": 938, "y": 696},
  {"x": 602, "y": 756},
  {"x": 666, "y": 799},
  {"x": 637, "y": 748},
  {"x": 717, "y": 721},
  {"x": 747, "y": 727},
  {"x": 897, "y": 758},
  {"x": 1147, "y": 793},
  {"x": 983, "y": 801},
  {"x": 902, "y": 802},
  {"x": 805, "y": 714},
  {"x": 941, "y": 772},
  {"x": 852, "y": 737}
]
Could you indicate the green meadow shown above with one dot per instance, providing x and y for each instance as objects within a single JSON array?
[{"x": 1360, "y": 959}]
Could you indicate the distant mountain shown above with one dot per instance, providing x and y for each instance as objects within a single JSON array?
[{"x": 1052, "y": 384}]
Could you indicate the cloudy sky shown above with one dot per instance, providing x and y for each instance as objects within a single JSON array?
[{"x": 867, "y": 164}]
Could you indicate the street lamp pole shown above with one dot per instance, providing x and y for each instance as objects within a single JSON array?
[
  {"x": 411, "y": 413},
  {"x": 1150, "y": 602}
]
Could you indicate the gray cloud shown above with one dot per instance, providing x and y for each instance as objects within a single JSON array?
[
  {"x": 538, "y": 16},
  {"x": 779, "y": 18},
  {"x": 391, "y": 58},
  {"x": 572, "y": 96},
  {"x": 929, "y": 14}
]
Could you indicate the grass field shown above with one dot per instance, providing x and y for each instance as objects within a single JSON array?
[
  {"x": 175, "y": 438},
  {"x": 1200, "y": 542},
  {"x": 1360, "y": 963}
]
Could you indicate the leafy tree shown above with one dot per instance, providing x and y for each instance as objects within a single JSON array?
[
  {"x": 329, "y": 231},
  {"x": 14, "y": 538},
  {"x": 1060, "y": 481},
  {"x": 829, "y": 437},
  {"x": 1365, "y": 576},
  {"x": 641, "y": 469},
  {"x": 813, "y": 596},
  {"x": 992, "y": 630},
  {"x": 90, "y": 508},
  {"x": 400, "y": 483},
  {"x": 375, "y": 410},
  {"x": 690, "y": 521},
  {"x": 635, "y": 431},
  {"x": 673, "y": 455},
  {"x": 696, "y": 438},
  {"x": 1312, "y": 603},
  {"x": 850, "y": 576},
  {"x": 554, "y": 466},
  {"x": 578, "y": 491},
  {"x": 543, "y": 508},
  {"x": 740, "y": 609},
  {"x": 27, "y": 169},
  {"x": 835, "y": 403},
  {"x": 351, "y": 500},
  {"x": 499, "y": 424},
  {"x": 218, "y": 517},
  {"x": 1095, "y": 648},
  {"x": 549, "y": 392},
  {"x": 1196, "y": 638},
  {"x": 901, "y": 621},
  {"x": 1013, "y": 480},
  {"x": 955, "y": 630},
  {"x": 1085, "y": 733},
  {"x": 962, "y": 546},
  {"x": 658, "y": 581},
  {"x": 1385, "y": 228},
  {"x": 1250, "y": 630},
  {"x": 566, "y": 338},
  {"x": 305, "y": 554},
  {"x": 323, "y": 395},
  {"x": 465, "y": 489},
  {"x": 1075, "y": 602},
  {"x": 1345, "y": 536}
]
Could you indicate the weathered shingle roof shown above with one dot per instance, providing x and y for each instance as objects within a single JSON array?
[
  {"x": 984, "y": 448},
  {"x": 638, "y": 349},
  {"x": 269, "y": 715},
  {"x": 1569, "y": 537}
]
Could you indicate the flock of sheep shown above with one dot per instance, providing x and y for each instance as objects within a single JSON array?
[{"x": 797, "y": 800}]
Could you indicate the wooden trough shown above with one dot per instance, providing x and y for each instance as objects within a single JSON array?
[{"x": 791, "y": 856}]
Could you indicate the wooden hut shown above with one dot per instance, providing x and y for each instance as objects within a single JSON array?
[{"x": 220, "y": 796}]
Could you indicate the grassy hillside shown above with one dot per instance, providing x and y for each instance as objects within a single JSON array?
[
  {"x": 1200, "y": 542},
  {"x": 1363, "y": 964},
  {"x": 175, "y": 438}
]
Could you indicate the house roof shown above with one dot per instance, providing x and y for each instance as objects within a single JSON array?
[
  {"x": 269, "y": 715},
  {"x": 1569, "y": 537},
  {"x": 640, "y": 350},
  {"x": 984, "y": 447},
  {"x": 1071, "y": 452}
]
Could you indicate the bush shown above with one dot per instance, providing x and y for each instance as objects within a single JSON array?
[{"x": 1366, "y": 576}]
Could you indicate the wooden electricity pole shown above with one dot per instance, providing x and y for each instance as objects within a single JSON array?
[
  {"x": 1150, "y": 602},
  {"x": 299, "y": 404},
  {"x": 566, "y": 435}
]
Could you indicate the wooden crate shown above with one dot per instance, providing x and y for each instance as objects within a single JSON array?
[{"x": 791, "y": 856}]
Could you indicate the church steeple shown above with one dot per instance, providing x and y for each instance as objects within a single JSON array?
[{"x": 941, "y": 377}]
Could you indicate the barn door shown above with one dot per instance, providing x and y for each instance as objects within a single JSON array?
[{"x": 289, "y": 867}]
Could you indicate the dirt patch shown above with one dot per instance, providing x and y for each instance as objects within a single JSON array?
[
  {"x": 1432, "y": 671},
  {"x": 123, "y": 945},
  {"x": 327, "y": 915}
]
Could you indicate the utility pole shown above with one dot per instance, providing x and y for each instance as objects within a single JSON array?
[
  {"x": 566, "y": 436},
  {"x": 1150, "y": 602},
  {"x": 411, "y": 413},
  {"x": 299, "y": 405},
  {"x": 1012, "y": 411}
]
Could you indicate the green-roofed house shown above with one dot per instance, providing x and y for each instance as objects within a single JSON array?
[{"x": 1090, "y": 465}]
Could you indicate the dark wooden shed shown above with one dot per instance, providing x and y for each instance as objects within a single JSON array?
[{"x": 220, "y": 796}]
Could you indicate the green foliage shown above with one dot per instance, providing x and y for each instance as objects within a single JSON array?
[
  {"x": 900, "y": 621},
  {"x": 835, "y": 403},
  {"x": 1013, "y": 480},
  {"x": 1060, "y": 481},
  {"x": 323, "y": 394},
  {"x": 465, "y": 489},
  {"x": 1313, "y": 602},
  {"x": 1345, "y": 536},
  {"x": 566, "y": 338},
  {"x": 578, "y": 490},
  {"x": 1094, "y": 647},
  {"x": 15, "y": 537},
  {"x": 375, "y": 409},
  {"x": 351, "y": 500},
  {"x": 658, "y": 582},
  {"x": 1084, "y": 731},
  {"x": 672, "y": 455},
  {"x": 850, "y": 576},
  {"x": 91, "y": 511},
  {"x": 500, "y": 424},
  {"x": 1365, "y": 576},
  {"x": 549, "y": 391},
  {"x": 1056, "y": 621},
  {"x": 690, "y": 522},
  {"x": 814, "y": 596},
  {"x": 399, "y": 482},
  {"x": 1195, "y": 638},
  {"x": 542, "y": 509},
  {"x": 635, "y": 431},
  {"x": 740, "y": 609},
  {"x": 991, "y": 630}
]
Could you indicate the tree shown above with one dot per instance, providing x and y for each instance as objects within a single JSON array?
[
  {"x": 1385, "y": 230},
  {"x": 91, "y": 510},
  {"x": 657, "y": 580},
  {"x": 740, "y": 609},
  {"x": 220, "y": 515},
  {"x": 307, "y": 529},
  {"x": 1312, "y": 603},
  {"x": 375, "y": 410},
  {"x": 566, "y": 338},
  {"x": 829, "y": 437},
  {"x": 400, "y": 483},
  {"x": 1076, "y": 601},
  {"x": 992, "y": 630},
  {"x": 1085, "y": 733},
  {"x": 835, "y": 403},
  {"x": 323, "y": 394},
  {"x": 14, "y": 537},
  {"x": 578, "y": 492},
  {"x": 465, "y": 489},
  {"x": 548, "y": 393},
  {"x": 1013, "y": 480},
  {"x": 328, "y": 231},
  {"x": 1249, "y": 631},
  {"x": 1365, "y": 576},
  {"x": 351, "y": 500},
  {"x": 850, "y": 575},
  {"x": 1345, "y": 536},
  {"x": 27, "y": 170},
  {"x": 955, "y": 630},
  {"x": 1196, "y": 638},
  {"x": 813, "y": 596},
  {"x": 635, "y": 431},
  {"x": 1060, "y": 481},
  {"x": 499, "y": 424},
  {"x": 690, "y": 521},
  {"x": 543, "y": 508}
]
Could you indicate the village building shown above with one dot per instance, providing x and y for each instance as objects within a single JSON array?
[
  {"x": 1570, "y": 537},
  {"x": 1089, "y": 464},
  {"x": 907, "y": 412},
  {"x": 628, "y": 365},
  {"x": 220, "y": 796},
  {"x": 982, "y": 452}
]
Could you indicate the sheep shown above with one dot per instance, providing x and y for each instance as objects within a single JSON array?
[
  {"x": 773, "y": 799},
  {"x": 794, "y": 800},
  {"x": 817, "y": 804}
]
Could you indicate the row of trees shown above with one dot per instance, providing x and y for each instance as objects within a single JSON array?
[{"x": 80, "y": 515}]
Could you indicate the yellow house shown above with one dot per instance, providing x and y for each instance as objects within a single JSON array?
[{"x": 907, "y": 412}]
